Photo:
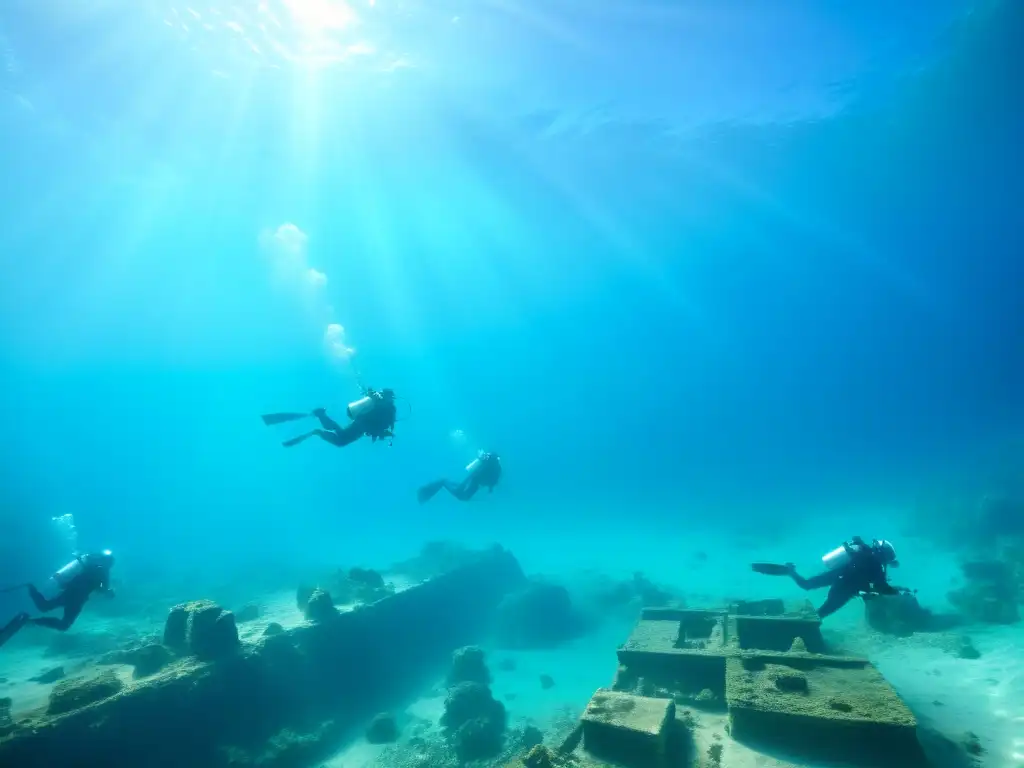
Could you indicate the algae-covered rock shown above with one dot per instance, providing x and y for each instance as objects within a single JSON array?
[
  {"x": 990, "y": 592},
  {"x": 474, "y": 720},
  {"x": 320, "y": 606},
  {"x": 302, "y": 595},
  {"x": 541, "y": 615},
  {"x": 383, "y": 729},
  {"x": 540, "y": 756},
  {"x": 436, "y": 558},
  {"x": 289, "y": 748},
  {"x": 147, "y": 658},
  {"x": 795, "y": 682},
  {"x": 273, "y": 628},
  {"x": 530, "y": 737},
  {"x": 202, "y": 628},
  {"x": 478, "y": 739},
  {"x": 469, "y": 666},
  {"x": 360, "y": 585},
  {"x": 77, "y": 692}
]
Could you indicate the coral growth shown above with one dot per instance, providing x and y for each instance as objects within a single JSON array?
[
  {"x": 474, "y": 720},
  {"x": 469, "y": 666}
]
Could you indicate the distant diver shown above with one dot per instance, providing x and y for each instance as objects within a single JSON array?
[
  {"x": 484, "y": 471},
  {"x": 850, "y": 569},
  {"x": 372, "y": 415},
  {"x": 76, "y": 581}
]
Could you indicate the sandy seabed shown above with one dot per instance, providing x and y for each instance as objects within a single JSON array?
[{"x": 950, "y": 696}]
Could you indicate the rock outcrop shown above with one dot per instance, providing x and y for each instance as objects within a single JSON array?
[
  {"x": 540, "y": 615},
  {"x": 276, "y": 701},
  {"x": 469, "y": 665},
  {"x": 990, "y": 592},
  {"x": 201, "y": 628},
  {"x": 475, "y": 721}
]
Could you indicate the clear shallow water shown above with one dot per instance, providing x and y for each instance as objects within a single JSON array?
[{"x": 712, "y": 280}]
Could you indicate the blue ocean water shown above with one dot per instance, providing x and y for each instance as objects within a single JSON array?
[{"x": 709, "y": 276}]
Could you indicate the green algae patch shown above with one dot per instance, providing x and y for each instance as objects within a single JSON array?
[
  {"x": 829, "y": 708},
  {"x": 632, "y": 729},
  {"x": 78, "y": 692}
]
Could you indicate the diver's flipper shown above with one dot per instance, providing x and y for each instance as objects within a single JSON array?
[
  {"x": 12, "y": 627},
  {"x": 280, "y": 418},
  {"x": 297, "y": 440},
  {"x": 429, "y": 491},
  {"x": 772, "y": 569}
]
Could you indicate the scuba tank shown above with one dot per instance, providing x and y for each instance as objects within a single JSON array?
[
  {"x": 840, "y": 556},
  {"x": 476, "y": 463},
  {"x": 363, "y": 405},
  {"x": 67, "y": 574}
]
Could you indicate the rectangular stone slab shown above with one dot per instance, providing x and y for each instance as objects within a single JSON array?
[
  {"x": 777, "y": 633},
  {"x": 633, "y": 731},
  {"x": 650, "y": 653},
  {"x": 843, "y": 710}
]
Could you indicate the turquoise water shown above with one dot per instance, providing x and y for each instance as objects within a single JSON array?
[{"x": 720, "y": 282}]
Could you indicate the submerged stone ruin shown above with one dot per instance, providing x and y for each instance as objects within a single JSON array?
[
  {"x": 765, "y": 669},
  {"x": 201, "y": 698}
]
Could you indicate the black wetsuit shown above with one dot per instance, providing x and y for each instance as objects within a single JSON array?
[
  {"x": 72, "y": 598},
  {"x": 864, "y": 573},
  {"x": 486, "y": 475},
  {"x": 377, "y": 424}
]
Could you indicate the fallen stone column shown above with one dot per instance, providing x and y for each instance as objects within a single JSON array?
[{"x": 287, "y": 698}]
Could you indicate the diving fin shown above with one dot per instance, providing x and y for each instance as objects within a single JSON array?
[
  {"x": 297, "y": 440},
  {"x": 271, "y": 419},
  {"x": 771, "y": 569},
  {"x": 429, "y": 491},
  {"x": 12, "y": 627}
]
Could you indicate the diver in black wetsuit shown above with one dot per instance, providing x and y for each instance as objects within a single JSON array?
[
  {"x": 854, "y": 568},
  {"x": 78, "y": 580},
  {"x": 484, "y": 472},
  {"x": 373, "y": 415}
]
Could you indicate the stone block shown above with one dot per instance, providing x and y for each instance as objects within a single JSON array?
[
  {"x": 653, "y": 651},
  {"x": 633, "y": 731},
  {"x": 823, "y": 707},
  {"x": 777, "y": 633}
]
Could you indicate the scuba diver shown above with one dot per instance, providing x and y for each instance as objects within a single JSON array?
[
  {"x": 851, "y": 569},
  {"x": 76, "y": 581},
  {"x": 483, "y": 471},
  {"x": 373, "y": 415}
]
